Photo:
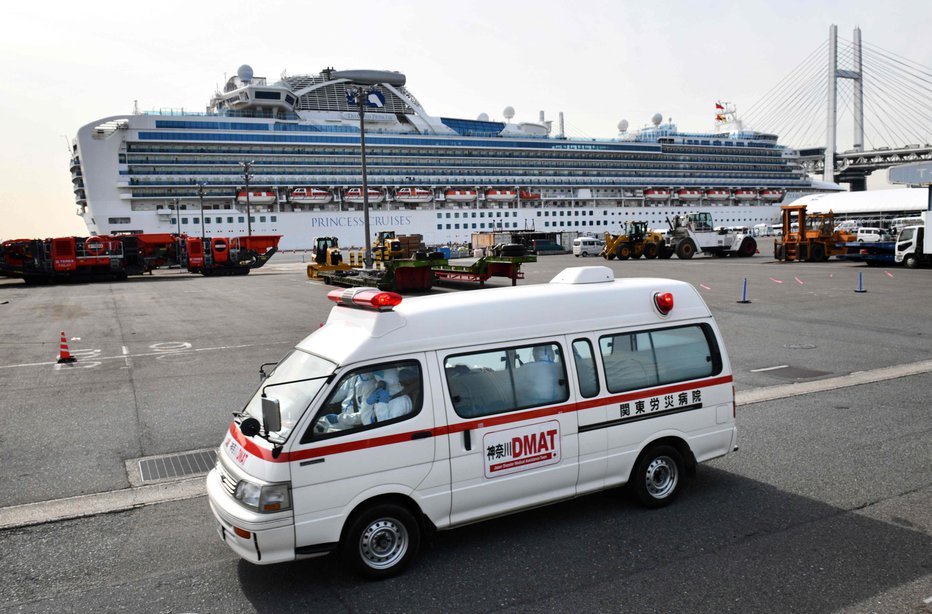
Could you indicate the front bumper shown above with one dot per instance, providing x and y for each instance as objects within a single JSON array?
[{"x": 271, "y": 536}]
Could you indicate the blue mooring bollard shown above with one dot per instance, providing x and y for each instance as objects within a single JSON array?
[
  {"x": 860, "y": 289},
  {"x": 744, "y": 292}
]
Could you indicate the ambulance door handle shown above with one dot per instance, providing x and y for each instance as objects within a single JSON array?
[
  {"x": 421, "y": 435},
  {"x": 467, "y": 440}
]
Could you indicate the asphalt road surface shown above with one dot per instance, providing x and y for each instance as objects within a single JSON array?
[{"x": 826, "y": 507}]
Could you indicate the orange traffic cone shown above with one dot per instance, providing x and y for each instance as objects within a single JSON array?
[{"x": 63, "y": 354}]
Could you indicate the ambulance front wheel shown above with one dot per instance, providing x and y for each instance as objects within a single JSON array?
[
  {"x": 381, "y": 541},
  {"x": 658, "y": 476}
]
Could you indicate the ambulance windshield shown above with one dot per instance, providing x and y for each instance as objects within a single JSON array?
[{"x": 295, "y": 382}]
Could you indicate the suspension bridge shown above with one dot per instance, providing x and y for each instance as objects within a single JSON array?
[{"x": 884, "y": 97}]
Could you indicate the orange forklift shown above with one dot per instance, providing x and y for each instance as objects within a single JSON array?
[{"x": 810, "y": 238}]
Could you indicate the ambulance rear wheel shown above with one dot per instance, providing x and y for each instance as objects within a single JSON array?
[
  {"x": 381, "y": 541},
  {"x": 658, "y": 476}
]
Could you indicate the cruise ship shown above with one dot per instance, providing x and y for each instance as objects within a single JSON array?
[{"x": 284, "y": 157}]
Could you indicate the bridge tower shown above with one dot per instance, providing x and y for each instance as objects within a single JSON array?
[{"x": 856, "y": 75}]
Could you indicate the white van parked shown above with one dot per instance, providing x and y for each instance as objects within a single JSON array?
[
  {"x": 870, "y": 235},
  {"x": 397, "y": 417},
  {"x": 587, "y": 246}
]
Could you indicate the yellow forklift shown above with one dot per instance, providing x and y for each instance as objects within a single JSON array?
[{"x": 809, "y": 237}]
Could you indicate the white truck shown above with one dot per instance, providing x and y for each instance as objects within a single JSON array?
[
  {"x": 914, "y": 244},
  {"x": 695, "y": 232}
]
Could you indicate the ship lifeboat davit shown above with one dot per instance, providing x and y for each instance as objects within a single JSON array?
[
  {"x": 354, "y": 195},
  {"x": 257, "y": 197},
  {"x": 310, "y": 196},
  {"x": 656, "y": 194},
  {"x": 717, "y": 194},
  {"x": 688, "y": 194},
  {"x": 771, "y": 195},
  {"x": 745, "y": 195},
  {"x": 414, "y": 195},
  {"x": 498, "y": 195},
  {"x": 529, "y": 195},
  {"x": 460, "y": 196}
]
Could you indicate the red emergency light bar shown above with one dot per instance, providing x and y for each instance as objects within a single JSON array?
[
  {"x": 367, "y": 298},
  {"x": 663, "y": 301}
]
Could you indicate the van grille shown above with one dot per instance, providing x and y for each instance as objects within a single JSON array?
[{"x": 227, "y": 480}]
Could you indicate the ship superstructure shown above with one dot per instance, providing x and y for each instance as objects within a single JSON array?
[{"x": 288, "y": 153}]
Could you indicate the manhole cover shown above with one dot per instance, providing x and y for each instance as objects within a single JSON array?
[{"x": 799, "y": 346}]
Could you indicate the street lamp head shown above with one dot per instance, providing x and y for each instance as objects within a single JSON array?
[{"x": 370, "y": 77}]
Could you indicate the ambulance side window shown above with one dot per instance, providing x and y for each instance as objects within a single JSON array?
[
  {"x": 369, "y": 397},
  {"x": 650, "y": 358},
  {"x": 486, "y": 383},
  {"x": 585, "y": 368}
]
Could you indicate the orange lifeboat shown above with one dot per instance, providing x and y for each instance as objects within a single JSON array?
[
  {"x": 414, "y": 195},
  {"x": 685, "y": 194},
  {"x": 717, "y": 194},
  {"x": 460, "y": 196},
  {"x": 310, "y": 196},
  {"x": 497, "y": 195},
  {"x": 257, "y": 197},
  {"x": 354, "y": 195},
  {"x": 529, "y": 195},
  {"x": 771, "y": 195},
  {"x": 656, "y": 194},
  {"x": 746, "y": 194}
]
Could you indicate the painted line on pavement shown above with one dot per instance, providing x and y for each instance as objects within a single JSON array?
[
  {"x": 129, "y": 357},
  {"x": 83, "y": 506}
]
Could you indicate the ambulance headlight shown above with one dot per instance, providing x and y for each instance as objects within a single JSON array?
[{"x": 267, "y": 499}]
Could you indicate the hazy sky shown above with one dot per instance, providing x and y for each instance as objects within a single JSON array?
[{"x": 70, "y": 63}]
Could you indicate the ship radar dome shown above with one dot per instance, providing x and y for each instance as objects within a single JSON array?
[
  {"x": 244, "y": 73},
  {"x": 509, "y": 112},
  {"x": 656, "y": 119},
  {"x": 483, "y": 117},
  {"x": 623, "y": 125}
]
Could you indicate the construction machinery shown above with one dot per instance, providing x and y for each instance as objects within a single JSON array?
[
  {"x": 636, "y": 240},
  {"x": 809, "y": 237},
  {"x": 695, "y": 232},
  {"x": 327, "y": 257},
  {"x": 389, "y": 246},
  {"x": 113, "y": 257},
  {"x": 402, "y": 263},
  {"x": 225, "y": 256}
]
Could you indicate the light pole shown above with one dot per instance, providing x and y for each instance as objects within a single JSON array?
[
  {"x": 246, "y": 168},
  {"x": 200, "y": 195},
  {"x": 361, "y": 96}
]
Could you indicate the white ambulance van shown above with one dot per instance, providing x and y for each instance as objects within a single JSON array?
[{"x": 398, "y": 417}]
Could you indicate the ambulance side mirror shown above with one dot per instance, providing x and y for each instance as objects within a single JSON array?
[{"x": 271, "y": 414}]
